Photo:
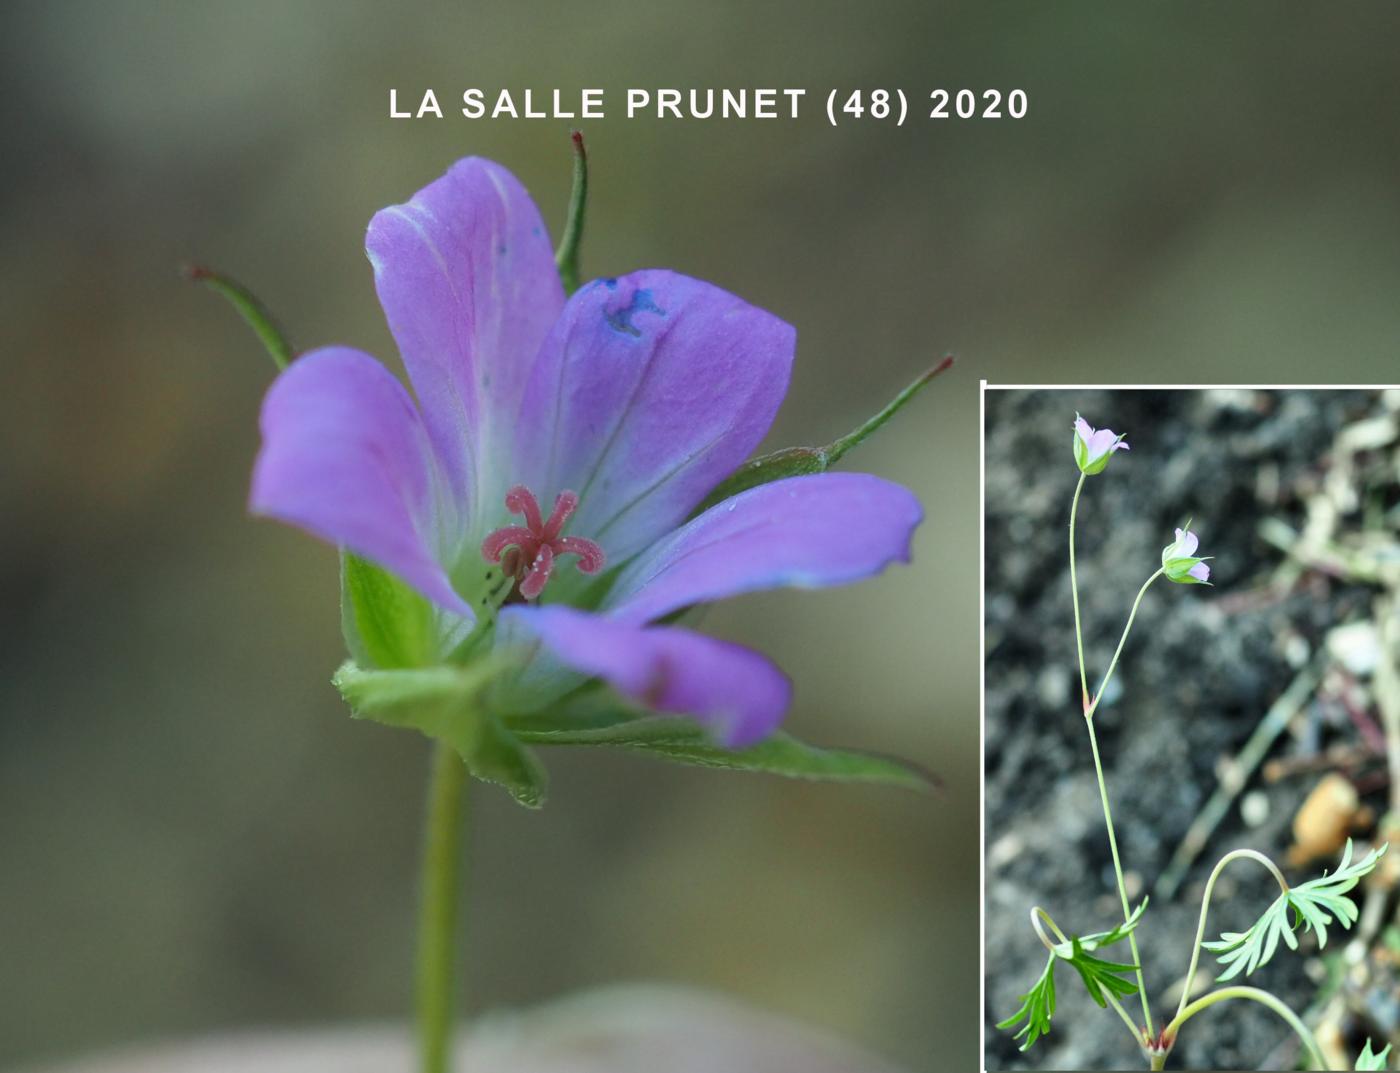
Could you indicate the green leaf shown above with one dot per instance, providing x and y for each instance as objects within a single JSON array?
[
  {"x": 1037, "y": 1008},
  {"x": 566, "y": 256},
  {"x": 800, "y": 461},
  {"x": 253, "y": 312},
  {"x": 1101, "y": 978},
  {"x": 1368, "y": 1060},
  {"x": 387, "y": 624},
  {"x": 1098, "y": 974},
  {"x": 1313, "y": 904},
  {"x": 1116, "y": 934},
  {"x": 684, "y": 741},
  {"x": 445, "y": 703}
]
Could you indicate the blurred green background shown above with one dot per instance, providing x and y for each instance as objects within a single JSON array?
[{"x": 193, "y": 833}]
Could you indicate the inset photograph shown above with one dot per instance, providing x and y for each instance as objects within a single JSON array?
[{"x": 1192, "y": 727}]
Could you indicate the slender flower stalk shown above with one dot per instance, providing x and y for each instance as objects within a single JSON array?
[
  {"x": 1089, "y": 708},
  {"x": 1122, "y": 640},
  {"x": 438, "y": 910},
  {"x": 1074, "y": 591}
]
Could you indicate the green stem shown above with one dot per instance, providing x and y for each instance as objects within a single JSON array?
[
  {"x": 437, "y": 919},
  {"x": 566, "y": 256},
  {"x": 1254, "y": 994},
  {"x": 1074, "y": 592},
  {"x": 1233, "y": 855},
  {"x": 1118, "y": 874},
  {"x": 1094, "y": 744},
  {"x": 1113, "y": 663}
]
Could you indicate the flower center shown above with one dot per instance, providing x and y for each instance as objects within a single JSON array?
[{"x": 527, "y": 552}]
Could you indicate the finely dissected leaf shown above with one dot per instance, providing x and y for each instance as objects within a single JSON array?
[
  {"x": 445, "y": 703},
  {"x": 1313, "y": 904},
  {"x": 1037, "y": 1008},
  {"x": 1368, "y": 1060},
  {"x": 1120, "y": 931},
  {"x": 1099, "y": 976},
  {"x": 387, "y": 625},
  {"x": 686, "y": 742},
  {"x": 250, "y": 309},
  {"x": 800, "y": 461}
]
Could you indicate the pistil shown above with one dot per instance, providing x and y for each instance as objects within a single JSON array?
[{"x": 528, "y": 552}]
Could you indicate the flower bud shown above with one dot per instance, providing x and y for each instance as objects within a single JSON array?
[
  {"x": 1180, "y": 562},
  {"x": 1093, "y": 448}
]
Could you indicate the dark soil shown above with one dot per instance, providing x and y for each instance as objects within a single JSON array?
[{"x": 1199, "y": 671}]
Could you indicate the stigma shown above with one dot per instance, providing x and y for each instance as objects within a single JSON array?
[{"x": 528, "y": 552}]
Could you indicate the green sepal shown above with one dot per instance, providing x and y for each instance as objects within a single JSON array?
[
  {"x": 1179, "y": 570},
  {"x": 387, "y": 624},
  {"x": 567, "y": 255},
  {"x": 250, "y": 308},
  {"x": 445, "y": 703},
  {"x": 1081, "y": 457},
  {"x": 802, "y": 461},
  {"x": 686, "y": 742},
  {"x": 1367, "y": 1059}
]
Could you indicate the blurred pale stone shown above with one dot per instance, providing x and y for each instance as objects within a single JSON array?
[{"x": 612, "y": 1030}]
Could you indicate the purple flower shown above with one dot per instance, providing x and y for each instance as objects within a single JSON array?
[
  {"x": 1093, "y": 448},
  {"x": 625, "y": 405},
  {"x": 1180, "y": 562}
]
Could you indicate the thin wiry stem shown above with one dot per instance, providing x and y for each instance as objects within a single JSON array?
[
  {"x": 1094, "y": 744},
  {"x": 1233, "y": 855},
  {"x": 1253, "y": 994},
  {"x": 1074, "y": 592},
  {"x": 1122, "y": 640}
]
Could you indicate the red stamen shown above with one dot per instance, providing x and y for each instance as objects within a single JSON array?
[{"x": 527, "y": 552}]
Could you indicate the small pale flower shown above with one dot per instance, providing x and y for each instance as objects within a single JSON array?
[
  {"x": 1180, "y": 562},
  {"x": 1094, "y": 447}
]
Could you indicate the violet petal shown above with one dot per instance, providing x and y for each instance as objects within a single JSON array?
[
  {"x": 467, "y": 280},
  {"x": 804, "y": 532},
  {"x": 651, "y": 389},
  {"x": 736, "y": 692},
  {"x": 345, "y": 457}
]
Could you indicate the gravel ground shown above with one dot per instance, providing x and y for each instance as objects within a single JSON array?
[{"x": 1199, "y": 671}]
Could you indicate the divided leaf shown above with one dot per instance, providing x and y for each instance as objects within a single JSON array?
[
  {"x": 1367, "y": 1060},
  {"x": 1101, "y": 978},
  {"x": 1037, "y": 1008},
  {"x": 1313, "y": 904}
]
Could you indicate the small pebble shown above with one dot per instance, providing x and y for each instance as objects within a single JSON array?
[{"x": 1254, "y": 808}]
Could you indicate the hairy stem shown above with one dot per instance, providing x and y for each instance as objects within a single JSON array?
[
  {"x": 1253, "y": 994},
  {"x": 438, "y": 908},
  {"x": 1233, "y": 855}
]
